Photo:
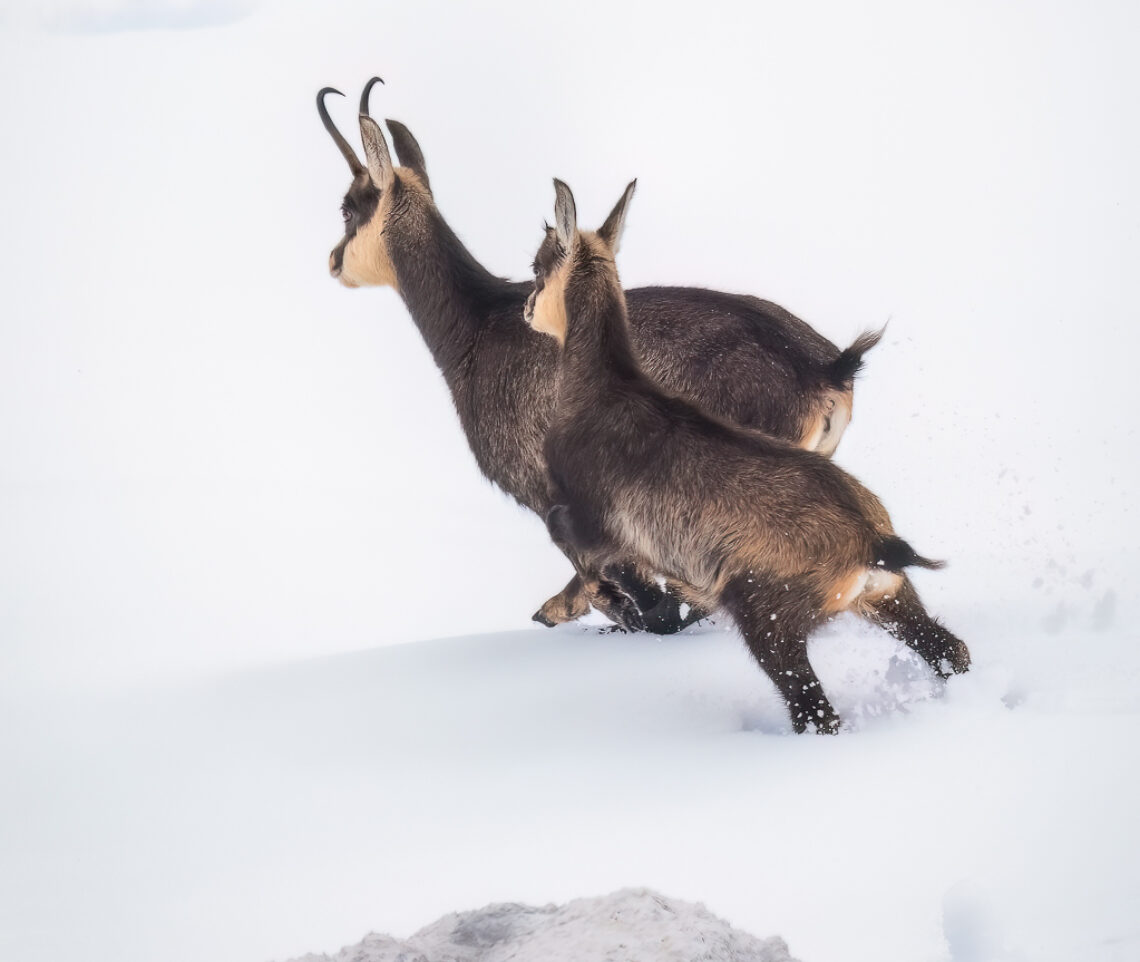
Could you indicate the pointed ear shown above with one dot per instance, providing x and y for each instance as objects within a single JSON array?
[
  {"x": 565, "y": 214},
  {"x": 611, "y": 230},
  {"x": 376, "y": 153},
  {"x": 408, "y": 151}
]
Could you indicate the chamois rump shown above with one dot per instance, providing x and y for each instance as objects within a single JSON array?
[
  {"x": 772, "y": 371},
  {"x": 778, "y": 536}
]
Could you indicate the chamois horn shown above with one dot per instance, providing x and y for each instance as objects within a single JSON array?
[
  {"x": 367, "y": 90},
  {"x": 354, "y": 163}
]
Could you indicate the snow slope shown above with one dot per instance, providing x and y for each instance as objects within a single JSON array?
[
  {"x": 237, "y": 514},
  {"x": 280, "y": 811}
]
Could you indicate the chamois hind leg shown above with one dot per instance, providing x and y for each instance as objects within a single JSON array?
[
  {"x": 904, "y": 616},
  {"x": 775, "y": 622}
]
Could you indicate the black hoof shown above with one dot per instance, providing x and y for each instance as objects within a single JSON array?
[
  {"x": 821, "y": 721},
  {"x": 959, "y": 658},
  {"x": 953, "y": 660},
  {"x": 828, "y": 727}
]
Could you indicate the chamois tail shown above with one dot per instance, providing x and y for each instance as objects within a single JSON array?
[
  {"x": 894, "y": 554},
  {"x": 844, "y": 368}
]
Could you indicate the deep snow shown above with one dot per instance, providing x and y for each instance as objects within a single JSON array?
[{"x": 235, "y": 508}]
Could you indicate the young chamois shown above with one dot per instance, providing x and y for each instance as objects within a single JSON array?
[
  {"x": 778, "y": 536},
  {"x": 771, "y": 371}
]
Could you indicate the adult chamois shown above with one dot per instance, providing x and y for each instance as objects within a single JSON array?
[
  {"x": 742, "y": 358},
  {"x": 778, "y": 536}
]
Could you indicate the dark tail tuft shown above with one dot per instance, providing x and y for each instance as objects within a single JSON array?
[
  {"x": 894, "y": 554},
  {"x": 846, "y": 366}
]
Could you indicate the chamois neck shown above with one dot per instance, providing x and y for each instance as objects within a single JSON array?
[
  {"x": 597, "y": 329},
  {"x": 447, "y": 291}
]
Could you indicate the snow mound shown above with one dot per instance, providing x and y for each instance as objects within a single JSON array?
[{"x": 633, "y": 924}]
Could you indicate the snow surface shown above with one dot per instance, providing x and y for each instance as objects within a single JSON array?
[
  {"x": 290, "y": 809},
  {"x": 632, "y": 924},
  {"x": 267, "y": 678}
]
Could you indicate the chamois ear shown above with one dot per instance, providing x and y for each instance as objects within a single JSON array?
[
  {"x": 376, "y": 153},
  {"x": 611, "y": 230},
  {"x": 565, "y": 214},
  {"x": 408, "y": 151}
]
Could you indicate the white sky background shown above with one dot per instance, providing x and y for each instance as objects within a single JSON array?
[{"x": 214, "y": 456}]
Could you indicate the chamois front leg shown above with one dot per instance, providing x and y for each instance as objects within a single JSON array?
[
  {"x": 575, "y": 600},
  {"x": 660, "y": 607},
  {"x": 905, "y": 617},
  {"x": 570, "y": 604},
  {"x": 775, "y": 623},
  {"x": 580, "y": 544},
  {"x": 620, "y": 590},
  {"x": 609, "y": 598},
  {"x": 660, "y": 610}
]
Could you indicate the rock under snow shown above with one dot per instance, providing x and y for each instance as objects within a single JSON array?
[{"x": 633, "y": 925}]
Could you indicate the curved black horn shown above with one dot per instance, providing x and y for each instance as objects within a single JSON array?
[
  {"x": 367, "y": 90},
  {"x": 338, "y": 138}
]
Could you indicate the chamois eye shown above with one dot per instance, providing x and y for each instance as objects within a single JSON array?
[{"x": 345, "y": 213}]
